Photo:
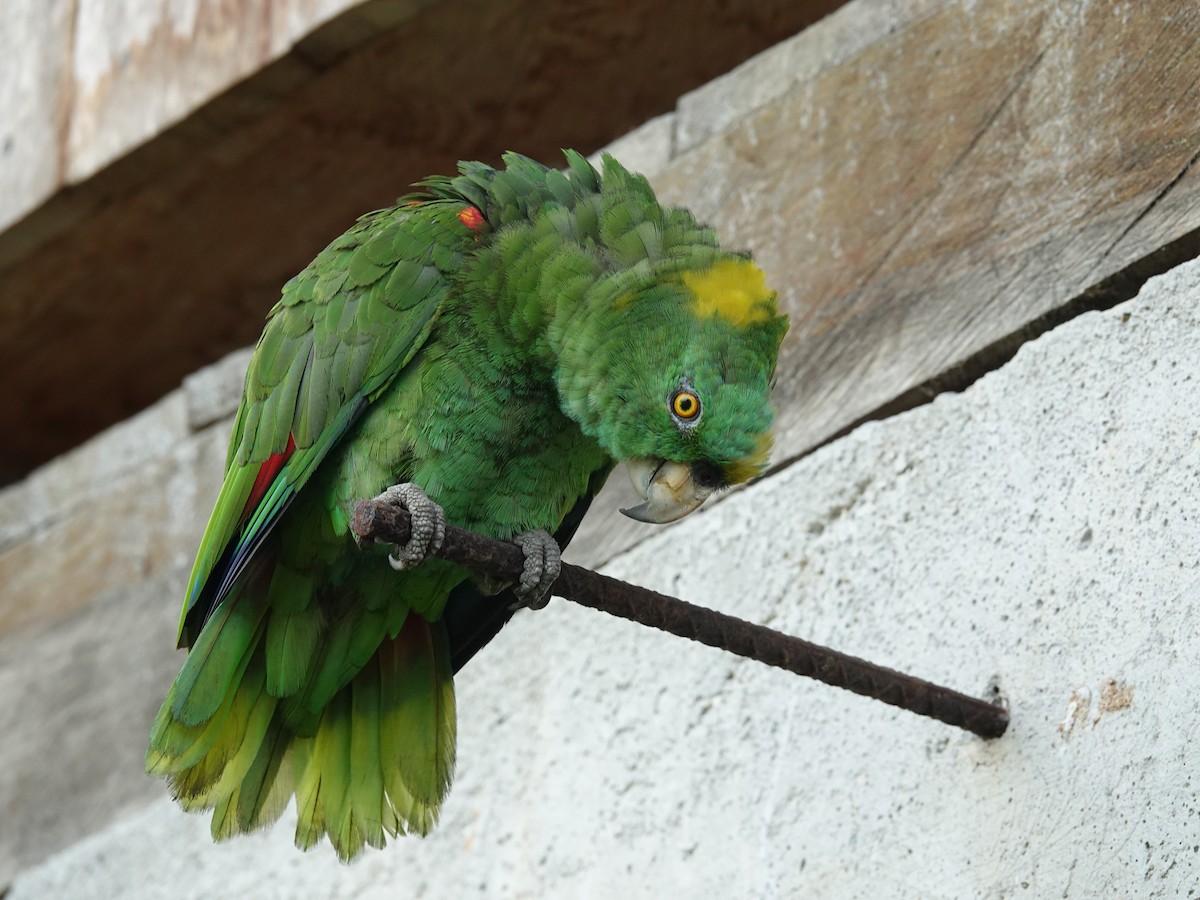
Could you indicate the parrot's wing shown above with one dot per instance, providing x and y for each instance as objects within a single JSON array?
[{"x": 341, "y": 332}]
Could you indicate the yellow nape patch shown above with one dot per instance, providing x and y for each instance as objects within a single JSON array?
[
  {"x": 734, "y": 289},
  {"x": 747, "y": 467}
]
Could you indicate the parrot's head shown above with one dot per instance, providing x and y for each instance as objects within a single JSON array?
[{"x": 677, "y": 382}]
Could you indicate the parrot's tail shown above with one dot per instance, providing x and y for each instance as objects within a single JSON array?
[{"x": 377, "y": 760}]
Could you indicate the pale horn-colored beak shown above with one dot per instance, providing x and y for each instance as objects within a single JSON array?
[{"x": 669, "y": 489}]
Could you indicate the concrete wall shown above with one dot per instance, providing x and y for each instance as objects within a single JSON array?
[{"x": 1037, "y": 532}]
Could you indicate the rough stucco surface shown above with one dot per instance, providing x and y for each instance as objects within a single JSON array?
[{"x": 1037, "y": 532}]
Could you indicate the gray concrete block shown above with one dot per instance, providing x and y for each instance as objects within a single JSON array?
[
  {"x": 101, "y": 469},
  {"x": 1037, "y": 531},
  {"x": 77, "y": 695},
  {"x": 89, "y": 604},
  {"x": 647, "y": 149},
  {"x": 92, "y": 467},
  {"x": 215, "y": 391},
  {"x": 17, "y": 504}
]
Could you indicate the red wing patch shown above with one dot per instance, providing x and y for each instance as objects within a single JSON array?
[{"x": 266, "y": 474}]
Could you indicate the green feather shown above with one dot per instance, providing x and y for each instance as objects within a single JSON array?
[
  {"x": 363, "y": 271},
  {"x": 261, "y": 793},
  {"x": 367, "y": 799},
  {"x": 333, "y": 743},
  {"x": 215, "y": 663},
  {"x": 310, "y": 812},
  {"x": 312, "y": 416},
  {"x": 265, "y": 791},
  {"x": 417, "y": 722},
  {"x": 290, "y": 643},
  {"x": 195, "y": 756},
  {"x": 251, "y": 721},
  {"x": 351, "y": 641}
]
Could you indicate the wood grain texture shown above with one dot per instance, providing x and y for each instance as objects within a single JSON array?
[
  {"x": 83, "y": 82},
  {"x": 926, "y": 199}
]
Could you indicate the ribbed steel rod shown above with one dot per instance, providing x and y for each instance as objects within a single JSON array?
[{"x": 500, "y": 559}]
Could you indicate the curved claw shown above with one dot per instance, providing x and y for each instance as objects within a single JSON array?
[
  {"x": 427, "y": 522},
  {"x": 543, "y": 563}
]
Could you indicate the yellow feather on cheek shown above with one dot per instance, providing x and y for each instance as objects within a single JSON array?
[
  {"x": 733, "y": 289},
  {"x": 746, "y": 468}
]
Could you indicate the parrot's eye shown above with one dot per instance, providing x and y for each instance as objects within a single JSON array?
[{"x": 685, "y": 405}]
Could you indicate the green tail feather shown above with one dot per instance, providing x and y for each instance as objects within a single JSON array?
[
  {"x": 347, "y": 645},
  {"x": 310, "y": 810},
  {"x": 379, "y": 760},
  {"x": 321, "y": 787},
  {"x": 258, "y": 796},
  {"x": 372, "y": 816},
  {"x": 216, "y": 661},
  {"x": 204, "y": 746},
  {"x": 234, "y": 771},
  {"x": 417, "y": 721},
  {"x": 290, "y": 643}
]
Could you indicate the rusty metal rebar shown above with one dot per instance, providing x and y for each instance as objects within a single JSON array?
[{"x": 503, "y": 560}]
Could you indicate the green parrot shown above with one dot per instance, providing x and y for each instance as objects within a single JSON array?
[{"x": 483, "y": 352}]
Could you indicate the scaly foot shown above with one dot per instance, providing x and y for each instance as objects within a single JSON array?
[
  {"x": 427, "y": 523},
  {"x": 543, "y": 562}
]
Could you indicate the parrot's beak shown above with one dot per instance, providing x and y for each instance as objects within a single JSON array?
[{"x": 669, "y": 489}]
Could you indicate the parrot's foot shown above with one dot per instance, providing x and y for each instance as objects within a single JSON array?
[
  {"x": 427, "y": 523},
  {"x": 543, "y": 562}
]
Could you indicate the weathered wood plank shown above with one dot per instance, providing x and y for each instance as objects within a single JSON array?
[
  {"x": 91, "y": 79},
  {"x": 933, "y": 194},
  {"x": 35, "y": 48}
]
